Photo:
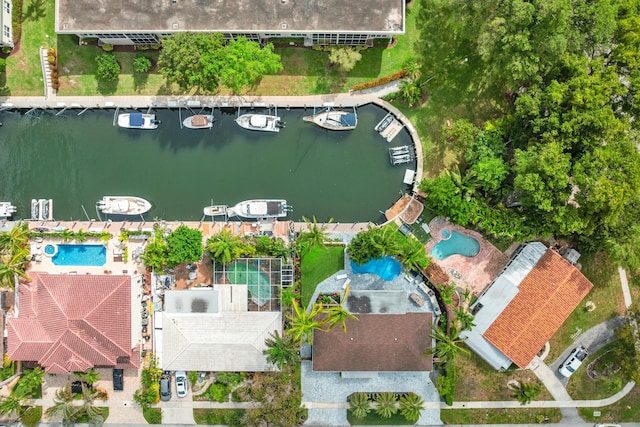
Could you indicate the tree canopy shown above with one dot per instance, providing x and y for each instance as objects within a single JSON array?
[
  {"x": 185, "y": 245},
  {"x": 204, "y": 61}
]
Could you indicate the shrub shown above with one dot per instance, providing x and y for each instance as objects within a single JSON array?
[
  {"x": 54, "y": 75},
  {"x": 108, "y": 67},
  {"x": 55, "y": 85},
  {"x": 218, "y": 392},
  {"x": 381, "y": 81},
  {"x": 51, "y": 59},
  {"x": 141, "y": 64},
  {"x": 6, "y": 50},
  {"x": 3, "y": 65},
  {"x": 16, "y": 20},
  {"x": 230, "y": 378},
  {"x": 51, "y": 52},
  {"x": 107, "y": 47},
  {"x": 31, "y": 416}
]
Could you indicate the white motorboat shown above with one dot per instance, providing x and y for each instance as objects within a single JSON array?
[
  {"x": 138, "y": 121},
  {"x": 334, "y": 119},
  {"x": 261, "y": 122},
  {"x": 46, "y": 209},
  {"x": 123, "y": 205},
  {"x": 6, "y": 210},
  {"x": 215, "y": 210},
  {"x": 260, "y": 209},
  {"x": 35, "y": 209},
  {"x": 199, "y": 121}
]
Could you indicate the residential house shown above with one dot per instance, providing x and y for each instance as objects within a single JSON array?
[
  {"x": 70, "y": 323},
  {"x": 309, "y": 22},
  {"x": 524, "y": 306},
  {"x": 6, "y": 38},
  {"x": 207, "y": 329}
]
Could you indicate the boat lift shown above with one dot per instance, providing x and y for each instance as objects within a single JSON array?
[{"x": 400, "y": 155}]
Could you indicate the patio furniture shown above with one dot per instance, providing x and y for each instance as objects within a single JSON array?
[{"x": 417, "y": 299}]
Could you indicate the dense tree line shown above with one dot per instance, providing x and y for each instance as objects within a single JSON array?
[{"x": 563, "y": 160}]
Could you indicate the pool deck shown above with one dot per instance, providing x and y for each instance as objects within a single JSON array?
[{"x": 474, "y": 273}]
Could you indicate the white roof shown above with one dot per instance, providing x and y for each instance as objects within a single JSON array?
[{"x": 231, "y": 341}]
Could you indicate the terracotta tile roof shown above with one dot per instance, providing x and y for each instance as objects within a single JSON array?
[
  {"x": 546, "y": 297},
  {"x": 71, "y": 323},
  {"x": 375, "y": 342}
]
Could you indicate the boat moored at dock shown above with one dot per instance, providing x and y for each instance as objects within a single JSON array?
[
  {"x": 260, "y": 122},
  {"x": 331, "y": 119},
  {"x": 123, "y": 205},
  {"x": 199, "y": 121},
  {"x": 6, "y": 210},
  {"x": 138, "y": 121},
  {"x": 41, "y": 209},
  {"x": 258, "y": 209}
]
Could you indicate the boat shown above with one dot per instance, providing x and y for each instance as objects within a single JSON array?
[
  {"x": 138, "y": 121},
  {"x": 35, "y": 209},
  {"x": 258, "y": 209},
  {"x": 6, "y": 210},
  {"x": 123, "y": 205},
  {"x": 215, "y": 210},
  {"x": 334, "y": 119},
  {"x": 261, "y": 122},
  {"x": 199, "y": 121}
]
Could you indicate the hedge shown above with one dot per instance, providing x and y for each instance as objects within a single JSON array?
[{"x": 381, "y": 81}]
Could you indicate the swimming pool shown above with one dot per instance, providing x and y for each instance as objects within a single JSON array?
[
  {"x": 257, "y": 280},
  {"x": 388, "y": 268},
  {"x": 454, "y": 243},
  {"x": 80, "y": 255}
]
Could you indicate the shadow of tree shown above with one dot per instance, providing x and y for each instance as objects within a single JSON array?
[
  {"x": 35, "y": 11},
  {"x": 108, "y": 87},
  {"x": 140, "y": 81}
]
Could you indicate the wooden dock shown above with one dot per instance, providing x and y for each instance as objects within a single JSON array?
[{"x": 392, "y": 130}]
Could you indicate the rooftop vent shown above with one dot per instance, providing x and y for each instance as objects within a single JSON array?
[
  {"x": 283, "y": 26},
  {"x": 283, "y": 1},
  {"x": 65, "y": 26},
  {"x": 175, "y": 26}
]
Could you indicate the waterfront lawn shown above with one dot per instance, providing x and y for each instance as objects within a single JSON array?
[
  {"x": 24, "y": 71},
  {"x": 477, "y": 380},
  {"x": 152, "y": 415},
  {"x": 501, "y": 416},
  {"x": 583, "y": 387},
  {"x": 316, "y": 265},
  {"x": 606, "y": 295},
  {"x": 625, "y": 410}
]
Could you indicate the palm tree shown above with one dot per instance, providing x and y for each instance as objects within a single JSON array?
[
  {"x": 81, "y": 235},
  {"x": 386, "y": 404},
  {"x": 13, "y": 404},
  {"x": 413, "y": 255},
  {"x": 447, "y": 345},
  {"x": 281, "y": 350},
  {"x": 359, "y": 405},
  {"x": 304, "y": 322},
  {"x": 525, "y": 392},
  {"x": 31, "y": 381},
  {"x": 12, "y": 266},
  {"x": 88, "y": 407},
  {"x": 315, "y": 235},
  {"x": 15, "y": 241},
  {"x": 338, "y": 314},
  {"x": 465, "y": 319},
  {"x": 63, "y": 406},
  {"x": 90, "y": 377},
  {"x": 224, "y": 247},
  {"x": 383, "y": 239},
  {"x": 410, "y": 406},
  {"x": 67, "y": 235}
]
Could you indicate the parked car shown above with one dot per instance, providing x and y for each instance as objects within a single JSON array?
[
  {"x": 573, "y": 361},
  {"x": 76, "y": 386},
  {"x": 607, "y": 425},
  {"x": 165, "y": 389},
  {"x": 181, "y": 383},
  {"x": 118, "y": 380}
]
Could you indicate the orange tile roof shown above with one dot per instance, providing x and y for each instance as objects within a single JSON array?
[
  {"x": 70, "y": 323},
  {"x": 546, "y": 297}
]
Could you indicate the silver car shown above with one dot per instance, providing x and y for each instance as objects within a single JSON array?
[
  {"x": 181, "y": 383},
  {"x": 573, "y": 362}
]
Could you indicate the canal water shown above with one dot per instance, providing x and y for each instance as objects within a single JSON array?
[{"x": 75, "y": 160}]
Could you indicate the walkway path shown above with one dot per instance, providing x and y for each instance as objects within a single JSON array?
[{"x": 625, "y": 287}]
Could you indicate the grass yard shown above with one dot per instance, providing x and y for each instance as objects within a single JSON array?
[
  {"x": 583, "y": 387},
  {"x": 218, "y": 416},
  {"x": 606, "y": 294},
  {"x": 501, "y": 416},
  {"x": 317, "y": 265},
  {"x": 626, "y": 409},
  {"x": 477, "y": 380},
  {"x": 24, "y": 72}
]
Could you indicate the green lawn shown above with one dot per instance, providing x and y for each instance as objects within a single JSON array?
[
  {"x": 606, "y": 294},
  {"x": 152, "y": 415},
  {"x": 217, "y": 416},
  {"x": 24, "y": 72},
  {"x": 500, "y": 416},
  {"x": 626, "y": 409},
  {"x": 317, "y": 265},
  {"x": 583, "y": 387}
]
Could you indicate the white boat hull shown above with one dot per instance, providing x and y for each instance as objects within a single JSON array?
[
  {"x": 6, "y": 210},
  {"x": 259, "y": 122},
  {"x": 257, "y": 209},
  {"x": 334, "y": 120},
  {"x": 198, "y": 121},
  {"x": 123, "y": 205},
  {"x": 137, "y": 121}
]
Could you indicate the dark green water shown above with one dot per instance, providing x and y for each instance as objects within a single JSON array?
[{"x": 75, "y": 160}]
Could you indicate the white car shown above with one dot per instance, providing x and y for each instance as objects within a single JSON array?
[
  {"x": 181, "y": 383},
  {"x": 573, "y": 362}
]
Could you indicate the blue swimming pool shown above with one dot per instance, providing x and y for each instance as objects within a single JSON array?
[
  {"x": 454, "y": 243},
  {"x": 80, "y": 255},
  {"x": 387, "y": 268}
]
